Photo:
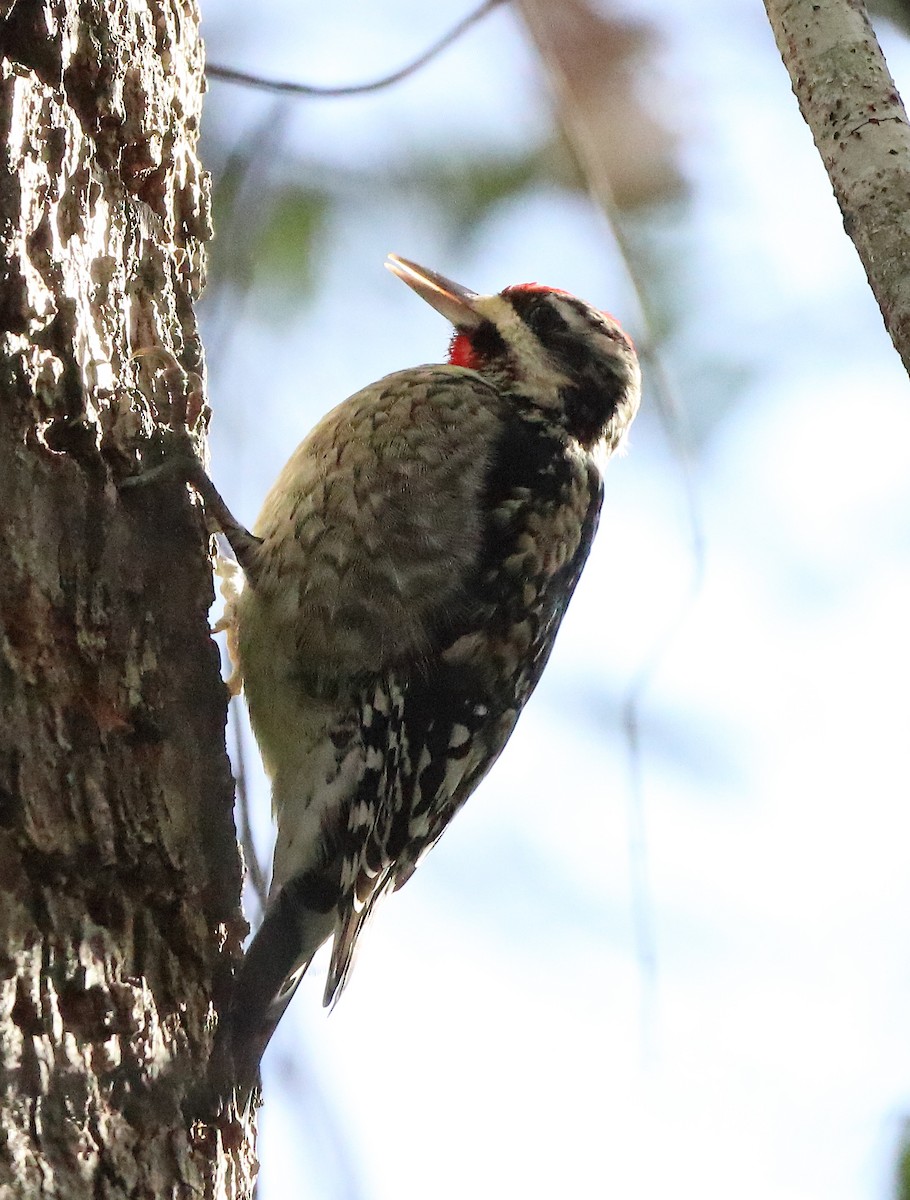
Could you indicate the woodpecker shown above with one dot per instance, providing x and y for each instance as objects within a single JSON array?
[{"x": 404, "y": 584}]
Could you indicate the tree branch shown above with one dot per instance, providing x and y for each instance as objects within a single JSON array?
[
  {"x": 580, "y": 94},
  {"x": 850, "y": 103},
  {"x": 229, "y": 75}
]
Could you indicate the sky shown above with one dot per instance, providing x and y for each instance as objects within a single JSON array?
[{"x": 684, "y": 972}]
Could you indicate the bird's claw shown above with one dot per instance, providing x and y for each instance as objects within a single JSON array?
[{"x": 179, "y": 462}]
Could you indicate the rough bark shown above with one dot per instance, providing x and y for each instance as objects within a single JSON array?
[
  {"x": 850, "y": 103},
  {"x": 119, "y": 874}
]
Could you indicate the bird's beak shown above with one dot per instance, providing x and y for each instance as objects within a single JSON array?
[{"x": 456, "y": 303}]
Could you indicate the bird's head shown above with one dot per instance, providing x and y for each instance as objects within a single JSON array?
[{"x": 543, "y": 345}]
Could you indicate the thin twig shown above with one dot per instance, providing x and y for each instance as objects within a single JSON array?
[
  {"x": 241, "y": 191},
  {"x": 538, "y": 18},
  {"x": 245, "y": 831},
  {"x": 229, "y": 75},
  {"x": 326, "y": 1125}
]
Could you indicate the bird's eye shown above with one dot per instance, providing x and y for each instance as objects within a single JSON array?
[{"x": 546, "y": 322}]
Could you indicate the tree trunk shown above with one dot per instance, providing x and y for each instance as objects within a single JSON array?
[{"x": 119, "y": 873}]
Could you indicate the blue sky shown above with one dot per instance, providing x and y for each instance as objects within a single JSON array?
[{"x": 501, "y": 1034}]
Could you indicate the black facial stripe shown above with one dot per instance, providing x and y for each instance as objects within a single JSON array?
[
  {"x": 589, "y": 406},
  {"x": 540, "y": 316},
  {"x": 487, "y": 342},
  {"x": 585, "y": 347},
  {"x": 567, "y": 346},
  {"x": 540, "y": 312}
]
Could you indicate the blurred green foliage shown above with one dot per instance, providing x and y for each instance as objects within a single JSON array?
[
  {"x": 468, "y": 188},
  {"x": 274, "y": 230},
  {"x": 283, "y": 250}
]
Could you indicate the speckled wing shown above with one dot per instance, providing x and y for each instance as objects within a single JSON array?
[
  {"x": 374, "y": 524},
  {"x": 432, "y": 730}
]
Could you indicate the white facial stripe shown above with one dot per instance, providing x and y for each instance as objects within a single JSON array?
[
  {"x": 578, "y": 322},
  {"x": 526, "y": 348},
  {"x": 593, "y": 325}
]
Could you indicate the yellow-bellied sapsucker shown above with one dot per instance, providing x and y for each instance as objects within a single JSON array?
[{"x": 404, "y": 586}]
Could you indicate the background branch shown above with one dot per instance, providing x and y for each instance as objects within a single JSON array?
[
  {"x": 585, "y": 102},
  {"x": 247, "y": 79},
  {"x": 850, "y": 103}
]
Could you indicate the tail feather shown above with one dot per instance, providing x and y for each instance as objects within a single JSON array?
[
  {"x": 272, "y": 969},
  {"x": 347, "y": 936},
  {"x": 274, "y": 964}
]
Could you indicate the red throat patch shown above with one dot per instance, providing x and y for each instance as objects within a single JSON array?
[{"x": 462, "y": 352}]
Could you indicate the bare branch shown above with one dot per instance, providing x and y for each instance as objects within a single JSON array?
[
  {"x": 245, "y": 830},
  {"x": 850, "y": 103},
  {"x": 582, "y": 121},
  {"x": 229, "y": 75},
  {"x": 583, "y": 129}
]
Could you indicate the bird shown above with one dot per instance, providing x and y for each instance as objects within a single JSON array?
[{"x": 404, "y": 584}]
